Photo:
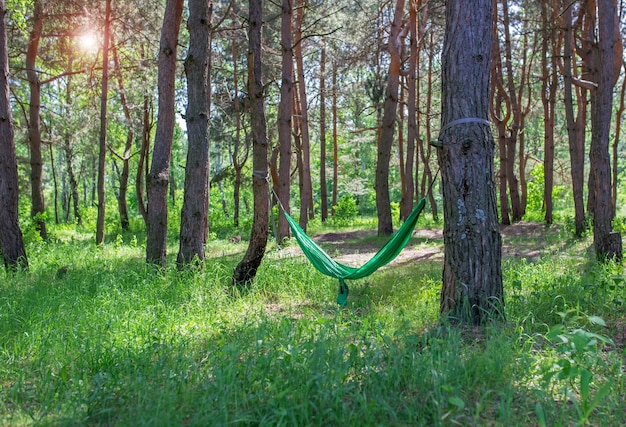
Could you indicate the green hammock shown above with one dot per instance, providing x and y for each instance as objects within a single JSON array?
[{"x": 326, "y": 265}]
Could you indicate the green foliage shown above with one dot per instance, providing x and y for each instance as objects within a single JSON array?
[
  {"x": 345, "y": 211},
  {"x": 535, "y": 210},
  {"x": 95, "y": 336}
]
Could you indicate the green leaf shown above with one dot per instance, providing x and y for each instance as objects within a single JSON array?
[
  {"x": 597, "y": 320},
  {"x": 457, "y": 401},
  {"x": 541, "y": 415}
]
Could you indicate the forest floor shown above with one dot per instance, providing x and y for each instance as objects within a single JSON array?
[{"x": 355, "y": 247}]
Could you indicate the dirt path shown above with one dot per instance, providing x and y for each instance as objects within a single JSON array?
[{"x": 355, "y": 247}]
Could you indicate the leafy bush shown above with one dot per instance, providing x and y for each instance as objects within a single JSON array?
[{"x": 345, "y": 211}]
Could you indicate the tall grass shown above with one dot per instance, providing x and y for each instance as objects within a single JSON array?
[{"x": 93, "y": 336}]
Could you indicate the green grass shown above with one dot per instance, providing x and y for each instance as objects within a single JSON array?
[{"x": 110, "y": 341}]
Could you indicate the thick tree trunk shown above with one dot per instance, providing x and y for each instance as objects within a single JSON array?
[
  {"x": 472, "y": 276},
  {"x": 247, "y": 268},
  {"x": 285, "y": 111},
  {"x": 11, "y": 240},
  {"x": 158, "y": 178},
  {"x": 385, "y": 140},
  {"x": 34, "y": 121},
  {"x": 604, "y": 240},
  {"x": 194, "y": 214},
  {"x": 102, "y": 149}
]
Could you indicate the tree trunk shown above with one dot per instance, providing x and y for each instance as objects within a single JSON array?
[
  {"x": 323, "y": 188},
  {"x": 158, "y": 178},
  {"x": 616, "y": 140},
  {"x": 548, "y": 99},
  {"x": 385, "y": 140},
  {"x": 514, "y": 126},
  {"x": 601, "y": 109},
  {"x": 69, "y": 157},
  {"x": 11, "y": 240},
  {"x": 34, "y": 122},
  {"x": 194, "y": 214},
  {"x": 103, "y": 128},
  {"x": 237, "y": 162},
  {"x": 122, "y": 203},
  {"x": 409, "y": 183},
  {"x": 285, "y": 111},
  {"x": 335, "y": 141},
  {"x": 247, "y": 268},
  {"x": 142, "y": 162},
  {"x": 574, "y": 135},
  {"x": 472, "y": 276},
  {"x": 306, "y": 198}
]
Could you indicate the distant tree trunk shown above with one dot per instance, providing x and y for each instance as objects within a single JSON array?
[
  {"x": 56, "y": 185},
  {"x": 574, "y": 134},
  {"x": 158, "y": 178},
  {"x": 427, "y": 152},
  {"x": 323, "y": 188},
  {"x": 69, "y": 156},
  {"x": 103, "y": 127},
  {"x": 195, "y": 211},
  {"x": 122, "y": 203},
  {"x": 146, "y": 128},
  {"x": 500, "y": 114},
  {"x": 306, "y": 198},
  {"x": 548, "y": 99},
  {"x": 335, "y": 141},
  {"x": 247, "y": 268},
  {"x": 472, "y": 276},
  {"x": 285, "y": 111},
  {"x": 385, "y": 141},
  {"x": 514, "y": 126},
  {"x": 237, "y": 162},
  {"x": 401, "y": 162},
  {"x": 34, "y": 122},
  {"x": 606, "y": 243},
  {"x": 11, "y": 240},
  {"x": 408, "y": 183},
  {"x": 616, "y": 140}
]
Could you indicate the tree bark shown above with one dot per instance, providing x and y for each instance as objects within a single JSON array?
[
  {"x": 285, "y": 111},
  {"x": 194, "y": 214},
  {"x": 323, "y": 187},
  {"x": 575, "y": 135},
  {"x": 548, "y": 99},
  {"x": 34, "y": 122},
  {"x": 409, "y": 183},
  {"x": 69, "y": 157},
  {"x": 601, "y": 110},
  {"x": 385, "y": 140},
  {"x": 158, "y": 178},
  {"x": 102, "y": 149},
  {"x": 306, "y": 196},
  {"x": 11, "y": 240},
  {"x": 247, "y": 268},
  {"x": 472, "y": 276},
  {"x": 335, "y": 141},
  {"x": 122, "y": 203}
]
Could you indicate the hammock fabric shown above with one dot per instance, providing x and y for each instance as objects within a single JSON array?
[{"x": 326, "y": 265}]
